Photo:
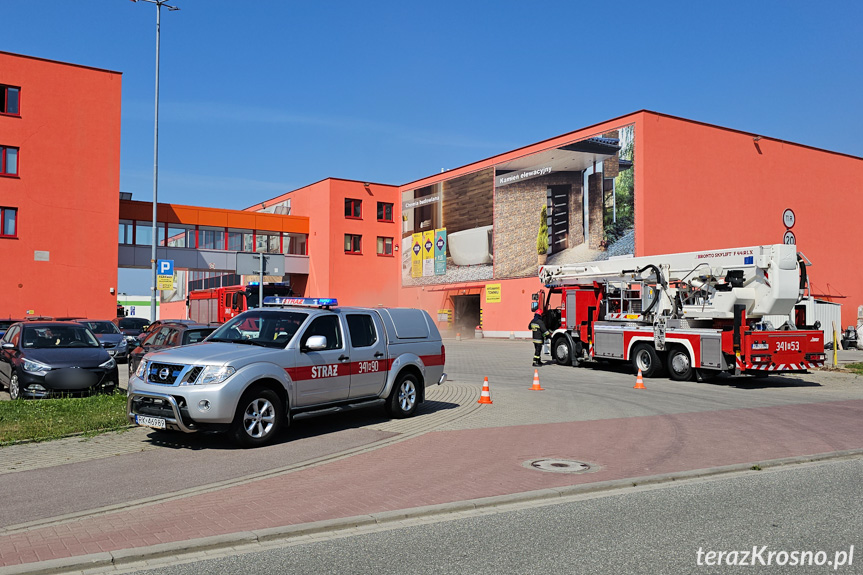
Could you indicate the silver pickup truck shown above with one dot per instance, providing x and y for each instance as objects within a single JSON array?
[{"x": 269, "y": 365}]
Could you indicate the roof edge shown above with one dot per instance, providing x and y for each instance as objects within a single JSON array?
[{"x": 94, "y": 68}]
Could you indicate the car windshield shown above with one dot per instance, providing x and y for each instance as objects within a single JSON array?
[
  {"x": 261, "y": 327},
  {"x": 58, "y": 336},
  {"x": 132, "y": 323},
  {"x": 100, "y": 326}
]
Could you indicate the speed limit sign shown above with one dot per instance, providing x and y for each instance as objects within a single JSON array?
[
  {"x": 788, "y": 219},
  {"x": 789, "y": 238}
]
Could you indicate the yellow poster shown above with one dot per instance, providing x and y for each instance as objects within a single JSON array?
[
  {"x": 428, "y": 253},
  {"x": 164, "y": 282},
  {"x": 417, "y": 255},
  {"x": 492, "y": 293}
]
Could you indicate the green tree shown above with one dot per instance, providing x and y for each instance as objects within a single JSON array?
[{"x": 542, "y": 237}]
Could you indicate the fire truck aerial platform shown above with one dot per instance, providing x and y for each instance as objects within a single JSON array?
[{"x": 696, "y": 313}]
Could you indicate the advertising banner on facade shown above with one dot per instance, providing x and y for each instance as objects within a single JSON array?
[
  {"x": 416, "y": 252},
  {"x": 440, "y": 252},
  {"x": 568, "y": 204},
  {"x": 428, "y": 253}
]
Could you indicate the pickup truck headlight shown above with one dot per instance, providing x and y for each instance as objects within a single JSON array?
[
  {"x": 142, "y": 369},
  {"x": 212, "y": 374},
  {"x": 110, "y": 364},
  {"x": 35, "y": 367}
]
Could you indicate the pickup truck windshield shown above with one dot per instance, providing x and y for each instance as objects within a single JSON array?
[{"x": 268, "y": 328}]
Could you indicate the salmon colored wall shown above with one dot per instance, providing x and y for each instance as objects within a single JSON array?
[
  {"x": 361, "y": 280},
  {"x": 67, "y": 191},
  {"x": 173, "y": 310},
  {"x": 707, "y": 187},
  {"x": 366, "y": 279}
]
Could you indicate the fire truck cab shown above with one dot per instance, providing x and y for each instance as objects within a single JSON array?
[
  {"x": 218, "y": 305},
  {"x": 693, "y": 313}
]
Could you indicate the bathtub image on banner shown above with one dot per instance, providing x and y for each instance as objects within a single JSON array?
[
  {"x": 417, "y": 256},
  {"x": 428, "y": 253},
  {"x": 440, "y": 252}
]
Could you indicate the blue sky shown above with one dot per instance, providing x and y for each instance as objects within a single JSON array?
[{"x": 264, "y": 96}]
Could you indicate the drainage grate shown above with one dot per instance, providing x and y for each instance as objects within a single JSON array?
[{"x": 558, "y": 465}]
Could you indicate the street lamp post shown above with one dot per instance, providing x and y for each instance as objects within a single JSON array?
[{"x": 159, "y": 4}]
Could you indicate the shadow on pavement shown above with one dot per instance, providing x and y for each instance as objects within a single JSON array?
[{"x": 300, "y": 429}]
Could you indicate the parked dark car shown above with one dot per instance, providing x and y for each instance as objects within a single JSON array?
[
  {"x": 110, "y": 336},
  {"x": 5, "y": 323},
  {"x": 160, "y": 322},
  {"x": 131, "y": 327},
  {"x": 168, "y": 335},
  {"x": 41, "y": 359}
]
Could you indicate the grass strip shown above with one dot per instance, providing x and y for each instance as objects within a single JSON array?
[
  {"x": 855, "y": 367},
  {"x": 46, "y": 419}
]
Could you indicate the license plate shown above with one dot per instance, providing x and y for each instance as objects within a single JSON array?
[{"x": 154, "y": 422}]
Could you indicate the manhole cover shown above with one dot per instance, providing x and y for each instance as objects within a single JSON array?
[{"x": 558, "y": 465}]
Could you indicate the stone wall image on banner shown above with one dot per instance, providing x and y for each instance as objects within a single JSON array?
[
  {"x": 459, "y": 213},
  {"x": 583, "y": 194}
]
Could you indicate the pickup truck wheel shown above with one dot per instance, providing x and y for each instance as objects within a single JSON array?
[
  {"x": 403, "y": 399},
  {"x": 679, "y": 365},
  {"x": 645, "y": 358},
  {"x": 258, "y": 419}
]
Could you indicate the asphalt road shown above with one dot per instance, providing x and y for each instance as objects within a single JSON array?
[{"x": 813, "y": 507}]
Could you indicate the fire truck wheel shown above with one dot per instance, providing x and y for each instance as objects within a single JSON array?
[
  {"x": 645, "y": 358},
  {"x": 561, "y": 352},
  {"x": 680, "y": 365}
]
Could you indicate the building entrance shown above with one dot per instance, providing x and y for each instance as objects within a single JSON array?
[
  {"x": 558, "y": 213},
  {"x": 466, "y": 312}
]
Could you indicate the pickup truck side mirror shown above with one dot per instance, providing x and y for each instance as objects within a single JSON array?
[{"x": 316, "y": 343}]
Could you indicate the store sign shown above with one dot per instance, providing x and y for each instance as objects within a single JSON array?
[
  {"x": 420, "y": 202},
  {"x": 522, "y": 175}
]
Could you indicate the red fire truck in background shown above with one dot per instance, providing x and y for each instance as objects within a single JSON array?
[{"x": 218, "y": 305}]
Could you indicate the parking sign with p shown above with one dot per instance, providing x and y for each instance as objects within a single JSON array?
[
  {"x": 165, "y": 267},
  {"x": 165, "y": 274}
]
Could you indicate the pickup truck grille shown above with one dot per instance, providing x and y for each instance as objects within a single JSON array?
[
  {"x": 154, "y": 407},
  {"x": 164, "y": 373}
]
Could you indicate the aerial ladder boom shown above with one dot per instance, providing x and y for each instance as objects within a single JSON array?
[{"x": 766, "y": 280}]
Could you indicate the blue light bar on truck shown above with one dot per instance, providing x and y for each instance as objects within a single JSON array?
[{"x": 301, "y": 301}]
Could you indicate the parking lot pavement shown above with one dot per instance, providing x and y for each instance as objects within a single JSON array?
[{"x": 343, "y": 466}]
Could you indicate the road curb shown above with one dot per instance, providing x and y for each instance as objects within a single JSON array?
[{"x": 123, "y": 557}]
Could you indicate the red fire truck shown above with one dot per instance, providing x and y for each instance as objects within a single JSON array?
[
  {"x": 218, "y": 305},
  {"x": 695, "y": 313}
]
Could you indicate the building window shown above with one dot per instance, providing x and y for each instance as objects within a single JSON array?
[
  {"x": 8, "y": 222},
  {"x": 10, "y": 99},
  {"x": 385, "y": 246},
  {"x": 294, "y": 244},
  {"x": 211, "y": 238},
  {"x": 385, "y": 212},
  {"x": 8, "y": 161},
  {"x": 353, "y": 208},
  {"x": 240, "y": 240},
  {"x": 126, "y": 229},
  {"x": 179, "y": 236},
  {"x": 267, "y": 242},
  {"x": 353, "y": 244}
]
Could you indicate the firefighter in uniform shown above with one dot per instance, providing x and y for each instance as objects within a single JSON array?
[{"x": 540, "y": 332}]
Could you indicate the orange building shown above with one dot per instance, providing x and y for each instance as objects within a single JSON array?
[
  {"x": 59, "y": 181},
  {"x": 641, "y": 184},
  {"x": 353, "y": 239}
]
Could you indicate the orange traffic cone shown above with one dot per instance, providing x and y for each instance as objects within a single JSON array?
[
  {"x": 536, "y": 386},
  {"x": 639, "y": 383},
  {"x": 485, "y": 397}
]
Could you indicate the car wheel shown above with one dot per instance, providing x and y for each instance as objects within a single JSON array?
[
  {"x": 645, "y": 358},
  {"x": 680, "y": 365},
  {"x": 404, "y": 397},
  {"x": 14, "y": 386},
  {"x": 258, "y": 419},
  {"x": 561, "y": 351}
]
